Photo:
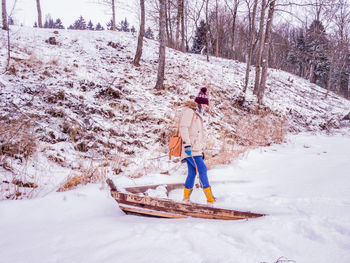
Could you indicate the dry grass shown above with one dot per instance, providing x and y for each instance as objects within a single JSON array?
[
  {"x": 17, "y": 138},
  {"x": 93, "y": 174},
  {"x": 251, "y": 132}
]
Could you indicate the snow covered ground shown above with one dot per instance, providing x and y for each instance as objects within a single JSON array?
[{"x": 303, "y": 185}]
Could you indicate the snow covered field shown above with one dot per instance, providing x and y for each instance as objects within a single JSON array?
[{"x": 303, "y": 185}]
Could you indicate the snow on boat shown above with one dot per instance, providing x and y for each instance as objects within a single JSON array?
[{"x": 135, "y": 204}]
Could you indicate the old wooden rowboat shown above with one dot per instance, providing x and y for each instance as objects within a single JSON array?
[{"x": 134, "y": 203}]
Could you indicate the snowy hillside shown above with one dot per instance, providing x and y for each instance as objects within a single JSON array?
[{"x": 80, "y": 110}]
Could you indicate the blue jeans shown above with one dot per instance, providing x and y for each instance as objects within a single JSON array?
[{"x": 202, "y": 170}]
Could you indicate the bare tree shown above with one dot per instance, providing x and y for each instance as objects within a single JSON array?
[
  {"x": 265, "y": 51},
  {"x": 260, "y": 45},
  {"x": 217, "y": 29},
  {"x": 110, "y": 4},
  {"x": 4, "y": 15},
  {"x": 162, "y": 45},
  {"x": 207, "y": 27},
  {"x": 141, "y": 35},
  {"x": 169, "y": 23},
  {"x": 182, "y": 26},
  {"x": 178, "y": 18},
  {"x": 194, "y": 13},
  {"x": 250, "y": 45},
  {"x": 233, "y": 11},
  {"x": 40, "y": 21}
]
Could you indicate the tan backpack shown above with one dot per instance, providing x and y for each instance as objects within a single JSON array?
[{"x": 175, "y": 143}]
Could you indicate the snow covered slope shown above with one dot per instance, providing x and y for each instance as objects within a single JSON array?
[
  {"x": 82, "y": 109},
  {"x": 303, "y": 185}
]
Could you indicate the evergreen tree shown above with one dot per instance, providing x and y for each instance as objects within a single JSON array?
[
  {"x": 316, "y": 43},
  {"x": 200, "y": 38},
  {"x": 99, "y": 27},
  {"x": 80, "y": 24},
  {"x": 58, "y": 24},
  {"x": 35, "y": 24},
  {"x": 298, "y": 54},
  {"x": 49, "y": 23},
  {"x": 149, "y": 33},
  {"x": 110, "y": 24},
  {"x": 133, "y": 30},
  {"x": 124, "y": 25},
  {"x": 11, "y": 22},
  {"x": 90, "y": 26}
]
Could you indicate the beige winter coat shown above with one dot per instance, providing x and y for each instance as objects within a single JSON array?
[{"x": 192, "y": 129}]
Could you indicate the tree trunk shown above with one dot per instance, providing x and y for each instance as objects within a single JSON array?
[
  {"x": 217, "y": 29},
  {"x": 250, "y": 46},
  {"x": 182, "y": 26},
  {"x": 168, "y": 22},
  {"x": 4, "y": 15},
  {"x": 207, "y": 28},
  {"x": 234, "y": 17},
  {"x": 141, "y": 35},
  {"x": 343, "y": 58},
  {"x": 331, "y": 68},
  {"x": 162, "y": 45},
  {"x": 312, "y": 77},
  {"x": 258, "y": 55},
  {"x": 265, "y": 52},
  {"x": 40, "y": 21},
  {"x": 113, "y": 16},
  {"x": 348, "y": 95},
  {"x": 178, "y": 18}
]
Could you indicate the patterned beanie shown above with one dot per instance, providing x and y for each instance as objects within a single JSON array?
[{"x": 202, "y": 97}]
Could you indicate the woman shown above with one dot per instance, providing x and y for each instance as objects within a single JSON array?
[{"x": 193, "y": 136}]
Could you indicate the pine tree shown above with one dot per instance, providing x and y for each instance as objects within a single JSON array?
[
  {"x": 80, "y": 24},
  {"x": 49, "y": 23},
  {"x": 316, "y": 47},
  {"x": 133, "y": 30},
  {"x": 124, "y": 25},
  {"x": 110, "y": 25},
  {"x": 58, "y": 24},
  {"x": 200, "y": 38},
  {"x": 90, "y": 26},
  {"x": 149, "y": 33},
  {"x": 11, "y": 22},
  {"x": 99, "y": 27},
  {"x": 298, "y": 54}
]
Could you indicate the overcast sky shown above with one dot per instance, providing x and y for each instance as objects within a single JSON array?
[{"x": 69, "y": 10}]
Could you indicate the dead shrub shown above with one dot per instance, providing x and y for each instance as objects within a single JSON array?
[
  {"x": 54, "y": 98},
  {"x": 74, "y": 131},
  {"x": 251, "y": 131},
  {"x": 225, "y": 155},
  {"x": 90, "y": 175},
  {"x": 260, "y": 131},
  {"x": 12, "y": 70},
  {"x": 17, "y": 138},
  {"x": 47, "y": 74}
]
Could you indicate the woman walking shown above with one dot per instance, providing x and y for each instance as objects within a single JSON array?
[{"x": 193, "y": 136}]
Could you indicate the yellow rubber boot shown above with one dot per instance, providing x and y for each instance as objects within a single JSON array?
[
  {"x": 209, "y": 195},
  {"x": 187, "y": 193}
]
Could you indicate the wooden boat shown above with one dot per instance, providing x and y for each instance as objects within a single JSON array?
[{"x": 136, "y": 204}]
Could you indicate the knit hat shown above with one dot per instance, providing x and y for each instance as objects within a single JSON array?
[{"x": 202, "y": 97}]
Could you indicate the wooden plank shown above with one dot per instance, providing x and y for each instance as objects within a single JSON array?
[
  {"x": 170, "y": 206},
  {"x": 143, "y": 189},
  {"x": 140, "y": 211}
]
